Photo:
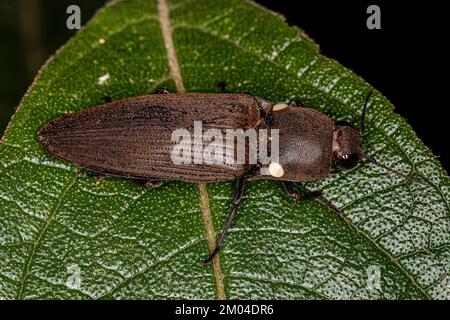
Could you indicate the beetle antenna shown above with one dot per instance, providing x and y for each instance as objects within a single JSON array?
[
  {"x": 363, "y": 114},
  {"x": 399, "y": 173},
  {"x": 369, "y": 157}
]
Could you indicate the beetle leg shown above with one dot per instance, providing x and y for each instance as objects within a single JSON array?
[
  {"x": 99, "y": 177},
  {"x": 149, "y": 184},
  {"x": 90, "y": 174},
  {"x": 107, "y": 99},
  {"x": 234, "y": 206},
  {"x": 161, "y": 91},
  {"x": 222, "y": 85},
  {"x": 293, "y": 193},
  {"x": 292, "y": 190}
]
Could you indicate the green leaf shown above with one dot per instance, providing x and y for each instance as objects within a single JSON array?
[{"x": 127, "y": 242}]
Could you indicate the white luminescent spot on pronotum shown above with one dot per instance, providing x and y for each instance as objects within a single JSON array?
[
  {"x": 276, "y": 170},
  {"x": 102, "y": 80},
  {"x": 279, "y": 106}
]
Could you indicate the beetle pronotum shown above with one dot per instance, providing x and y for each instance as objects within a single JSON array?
[{"x": 132, "y": 138}]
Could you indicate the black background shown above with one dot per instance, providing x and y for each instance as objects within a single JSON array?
[{"x": 406, "y": 60}]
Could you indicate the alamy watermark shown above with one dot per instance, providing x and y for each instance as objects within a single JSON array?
[
  {"x": 374, "y": 20},
  {"x": 373, "y": 278},
  {"x": 232, "y": 147},
  {"x": 74, "y": 279},
  {"x": 74, "y": 20}
]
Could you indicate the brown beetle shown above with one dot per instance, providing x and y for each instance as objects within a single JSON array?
[{"x": 133, "y": 138}]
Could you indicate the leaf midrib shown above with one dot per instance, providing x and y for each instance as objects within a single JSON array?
[{"x": 175, "y": 71}]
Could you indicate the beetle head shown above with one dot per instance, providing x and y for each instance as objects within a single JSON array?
[
  {"x": 347, "y": 146},
  {"x": 348, "y": 142}
]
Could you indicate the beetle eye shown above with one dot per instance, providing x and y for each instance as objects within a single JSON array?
[{"x": 348, "y": 161}]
